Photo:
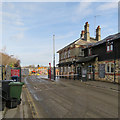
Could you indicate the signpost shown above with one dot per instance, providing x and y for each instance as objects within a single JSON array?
[{"x": 50, "y": 71}]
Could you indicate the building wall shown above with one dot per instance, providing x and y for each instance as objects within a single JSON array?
[
  {"x": 109, "y": 76},
  {"x": 100, "y": 50},
  {"x": 104, "y": 58}
]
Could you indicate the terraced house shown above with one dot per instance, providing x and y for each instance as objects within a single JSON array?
[{"x": 70, "y": 55}]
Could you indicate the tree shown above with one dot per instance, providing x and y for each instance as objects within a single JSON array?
[{"x": 17, "y": 64}]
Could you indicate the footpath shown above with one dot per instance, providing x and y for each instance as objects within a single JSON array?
[{"x": 24, "y": 110}]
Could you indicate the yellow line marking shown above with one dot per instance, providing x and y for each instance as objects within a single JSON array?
[{"x": 32, "y": 105}]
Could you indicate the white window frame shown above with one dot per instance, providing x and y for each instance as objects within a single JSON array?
[
  {"x": 69, "y": 69},
  {"x": 109, "y": 46},
  {"x": 89, "y": 51},
  {"x": 65, "y": 54},
  {"x": 65, "y": 69},
  {"x": 109, "y": 64},
  {"x": 59, "y": 56},
  {"x": 68, "y": 53}
]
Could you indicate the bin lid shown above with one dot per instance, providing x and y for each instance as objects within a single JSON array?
[
  {"x": 16, "y": 83},
  {"x": 7, "y": 80}
]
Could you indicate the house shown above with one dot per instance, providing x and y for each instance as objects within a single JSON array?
[
  {"x": 68, "y": 67},
  {"x": 102, "y": 60}
]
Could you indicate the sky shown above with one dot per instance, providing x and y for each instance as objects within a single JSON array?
[{"x": 28, "y": 27}]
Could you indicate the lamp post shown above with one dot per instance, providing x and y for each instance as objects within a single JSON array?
[{"x": 54, "y": 57}]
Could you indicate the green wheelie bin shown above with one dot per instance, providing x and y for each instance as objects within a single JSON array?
[{"x": 15, "y": 90}]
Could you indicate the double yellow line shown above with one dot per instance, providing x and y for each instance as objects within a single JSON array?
[{"x": 32, "y": 105}]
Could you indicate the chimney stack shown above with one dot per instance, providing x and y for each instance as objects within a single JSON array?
[
  {"x": 82, "y": 34},
  {"x": 87, "y": 34},
  {"x": 98, "y": 33}
]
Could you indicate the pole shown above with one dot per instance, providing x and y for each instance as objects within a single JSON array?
[
  {"x": 50, "y": 71},
  {"x": 54, "y": 57},
  {"x": 95, "y": 23},
  {"x": 114, "y": 61}
]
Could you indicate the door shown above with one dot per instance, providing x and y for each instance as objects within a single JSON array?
[
  {"x": 93, "y": 69},
  {"x": 84, "y": 74},
  {"x": 91, "y": 72}
]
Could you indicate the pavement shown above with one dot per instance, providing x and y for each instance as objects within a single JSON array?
[
  {"x": 28, "y": 108},
  {"x": 24, "y": 110}
]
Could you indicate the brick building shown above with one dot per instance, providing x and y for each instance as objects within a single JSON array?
[
  {"x": 68, "y": 67},
  {"x": 90, "y": 58},
  {"x": 102, "y": 60}
]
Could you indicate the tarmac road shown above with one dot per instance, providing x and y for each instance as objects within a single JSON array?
[{"x": 71, "y": 99}]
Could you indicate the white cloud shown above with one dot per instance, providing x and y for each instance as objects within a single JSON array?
[
  {"x": 12, "y": 18},
  {"x": 108, "y": 6}
]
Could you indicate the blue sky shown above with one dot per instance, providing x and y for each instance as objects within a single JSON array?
[{"x": 28, "y": 27}]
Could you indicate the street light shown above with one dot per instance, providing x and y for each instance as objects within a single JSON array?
[{"x": 54, "y": 56}]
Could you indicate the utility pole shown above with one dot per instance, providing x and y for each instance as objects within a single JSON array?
[{"x": 54, "y": 57}]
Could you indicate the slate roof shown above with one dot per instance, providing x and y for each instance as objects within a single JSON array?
[
  {"x": 86, "y": 59},
  {"x": 110, "y": 38},
  {"x": 79, "y": 42}
]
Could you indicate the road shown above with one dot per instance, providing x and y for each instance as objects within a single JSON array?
[{"x": 71, "y": 99}]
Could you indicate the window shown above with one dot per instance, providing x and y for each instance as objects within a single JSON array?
[
  {"x": 64, "y": 69},
  {"x": 69, "y": 69},
  {"x": 72, "y": 68},
  {"x": 89, "y": 51},
  {"x": 81, "y": 52},
  {"x": 65, "y": 54},
  {"x": 68, "y": 53},
  {"x": 110, "y": 67},
  {"x": 109, "y": 46},
  {"x": 90, "y": 68},
  {"x": 59, "y": 56},
  {"x": 61, "y": 69}
]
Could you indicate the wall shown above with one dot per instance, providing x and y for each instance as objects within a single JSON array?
[{"x": 109, "y": 77}]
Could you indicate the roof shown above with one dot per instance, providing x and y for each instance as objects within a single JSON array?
[
  {"x": 65, "y": 63},
  {"x": 110, "y": 38},
  {"x": 79, "y": 42},
  {"x": 86, "y": 59},
  {"x": 67, "y": 45},
  {"x": 83, "y": 42}
]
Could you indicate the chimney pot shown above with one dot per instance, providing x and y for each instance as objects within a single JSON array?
[
  {"x": 98, "y": 33},
  {"x": 87, "y": 34},
  {"x": 82, "y": 33}
]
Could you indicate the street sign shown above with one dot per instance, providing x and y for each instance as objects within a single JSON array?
[{"x": 15, "y": 73}]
